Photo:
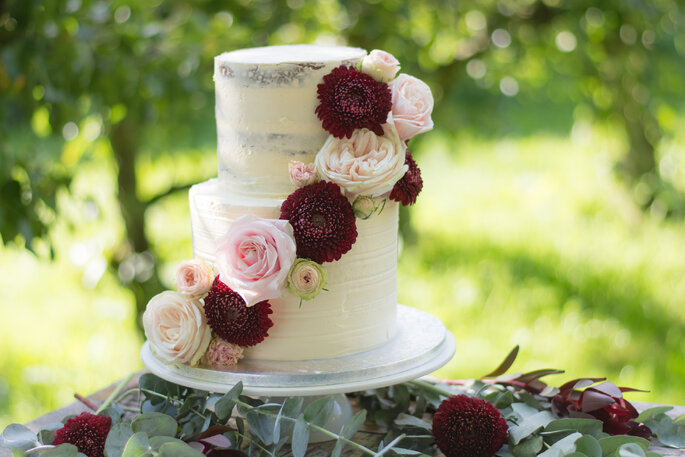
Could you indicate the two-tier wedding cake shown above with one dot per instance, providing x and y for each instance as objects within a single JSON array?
[{"x": 295, "y": 241}]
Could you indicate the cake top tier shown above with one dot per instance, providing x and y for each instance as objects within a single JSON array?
[{"x": 298, "y": 53}]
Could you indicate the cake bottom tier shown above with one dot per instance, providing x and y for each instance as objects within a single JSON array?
[{"x": 358, "y": 309}]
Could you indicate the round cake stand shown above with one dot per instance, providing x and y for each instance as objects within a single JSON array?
[{"x": 421, "y": 345}]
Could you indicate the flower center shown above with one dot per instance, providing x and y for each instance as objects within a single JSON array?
[{"x": 318, "y": 220}]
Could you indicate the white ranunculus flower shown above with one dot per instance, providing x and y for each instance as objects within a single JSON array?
[
  {"x": 365, "y": 163},
  {"x": 176, "y": 328}
]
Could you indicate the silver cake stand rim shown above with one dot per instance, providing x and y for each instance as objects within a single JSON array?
[{"x": 415, "y": 351}]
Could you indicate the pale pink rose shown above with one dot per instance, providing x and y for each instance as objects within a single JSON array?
[
  {"x": 254, "y": 257},
  {"x": 380, "y": 65},
  {"x": 412, "y": 105},
  {"x": 302, "y": 174},
  {"x": 194, "y": 278},
  {"x": 222, "y": 355},
  {"x": 176, "y": 328},
  {"x": 365, "y": 163}
]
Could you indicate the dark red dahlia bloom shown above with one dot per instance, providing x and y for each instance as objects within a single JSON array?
[
  {"x": 233, "y": 320},
  {"x": 466, "y": 426},
  {"x": 408, "y": 188},
  {"x": 323, "y": 221},
  {"x": 352, "y": 100},
  {"x": 87, "y": 432},
  {"x": 604, "y": 402}
]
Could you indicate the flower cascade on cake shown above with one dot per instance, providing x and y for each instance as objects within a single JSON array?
[{"x": 371, "y": 113}]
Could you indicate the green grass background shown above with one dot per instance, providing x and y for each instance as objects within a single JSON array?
[{"x": 522, "y": 240}]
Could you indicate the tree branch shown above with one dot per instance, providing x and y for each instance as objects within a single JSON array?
[{"x": 169, "y": 191}]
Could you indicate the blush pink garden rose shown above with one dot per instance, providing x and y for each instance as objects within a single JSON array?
[
  {"x": 194, "y": 278},
  {"x": 412, "y": 105},
  {"x": 302, "y": 174},
  {"x": 176, "y": 328},
  {"x": 365, "y": 163},
  {"x": 380, "y": 65},
  {"x": 254, "y": 257}
]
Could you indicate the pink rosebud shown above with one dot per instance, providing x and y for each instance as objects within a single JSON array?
[
  {"x": 222, "y": 355},
  {"x": 194, "y": 278},
  {"x": 302, "y": 174},
  {"x": 254, "y": 257},
  {"x": 380, "y": 65},
  {"x": 412, "y": 105}
]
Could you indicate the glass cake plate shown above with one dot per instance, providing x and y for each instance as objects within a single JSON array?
[{"x": 422, "y": 345}]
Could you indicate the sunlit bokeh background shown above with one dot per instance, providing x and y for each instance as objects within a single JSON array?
[{"x": 551, "y": 217}]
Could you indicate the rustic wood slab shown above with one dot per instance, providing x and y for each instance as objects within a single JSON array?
[{"x": 369, "y": 436}]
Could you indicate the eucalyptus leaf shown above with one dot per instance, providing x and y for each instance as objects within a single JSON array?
[
  {"x": 528, "y": 448},
  {"x": 353, "y": 425},
  {"x": 669, "y": 432},
  {"x": 117, "y": 438},
  {"x": 406, "y": 419},
  {"x": 224, "y": 406},
  {"x": 651, "y": 413},
  {"x": 300, "y": 439},
  {"x": 292, "y": 406},
  {"x": 585, "y": 426},
  {"x": 319, "y": 411},
  {"x": 611, "y": 444},
  {"x": 402, "y": 451},
  {"x": 523, "y": 410},
  {"x": 17, "y": 436},
  {"x": 563, "y": 447},
  {"x": 155, "y": 424},
  {"x": 630, "y": 450},
  {"x": 178, "y": 449},
  {"x": 63, "y": 450},
  {"x": 589, "y": 445},
  {"x": 337, "y": 449},
  {"x": 138, "y": 445},
  {"x": 157, "y": 441},
  {"x": 530, "y": 425},
  {"x": 46, "y": 434},
  {"x": 261, "y": 426}
]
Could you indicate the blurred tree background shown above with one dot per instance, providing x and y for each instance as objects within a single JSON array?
[{"x": 555, "y": 179}]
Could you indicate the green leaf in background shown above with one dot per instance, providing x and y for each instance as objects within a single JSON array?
[
  {"x": 589, "y": 445},
  {"x": 319, "y": 411},
  {"x": 117, "y": 438},
  {"x": 530, "y": 425},
  {"x": 155, "y": 424},
  {"x": 528, "y": 448},
  {"x": 46, "y": 434},
  {"x": 300, "y": 438},
  {"x": 611, "y": 444},
  {"x": 261, "y": 426},
  {"x": 17, "y": 436},
  {"x": 292, "y": 406},
  {"x": 138, "y": 445},
  {"x": 348, "y": 430},
  {"x": 402, "y": 451},
  {"x": 178, "y": 449},
  {"x": 564, "y": 446},
  {"x": 670, "y": 432},
  {"x": 157, "y": 442}
]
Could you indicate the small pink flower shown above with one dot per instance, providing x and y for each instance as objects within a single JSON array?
[
  {"x": 222, "y": 355},
  {"x": 194, "y": 278},
  {"x": 254, "y": 257},
  {"x": 380, "y": 65},
  {"x": 302, "y": 174},
  {"x": 412, "y": 105}
]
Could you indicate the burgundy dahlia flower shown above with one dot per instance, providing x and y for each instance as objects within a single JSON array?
[
  {"x": 408, "y": 188},
  {"x": 233, "y": 320},
  {"x": 323, "y": 221},
  {"x": 604, "y": 402},
  {"x": 350, "y": 99},
  {"x": 465, "y": 426},
  {"x": 87, "y": 432}
]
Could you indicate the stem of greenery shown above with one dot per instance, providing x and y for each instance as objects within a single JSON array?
[
  {"x": 424, "y": 385},
  {"x": 115, "y": 393},
  {"x": 390, "y": 445}
]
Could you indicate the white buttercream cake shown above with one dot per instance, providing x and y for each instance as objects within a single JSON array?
[{"x": 265, "y": 113}]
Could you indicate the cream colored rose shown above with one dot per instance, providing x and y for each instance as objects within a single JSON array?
[
  {"x": 306, "y": 279},
  {"x": 412, "y": 105},
  {"x": 365, "y": 163},
  {"x": 380, "y": 65},
  {"x": 194, "y": 278},
  {"x": 176, "y": 328},
  {"x": 302, "y": 174}
]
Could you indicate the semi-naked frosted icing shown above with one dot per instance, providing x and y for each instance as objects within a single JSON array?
[{"x": 265, "y": 111}]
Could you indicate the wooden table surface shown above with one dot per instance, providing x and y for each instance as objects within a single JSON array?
[{"x": 366, "y": 438}]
